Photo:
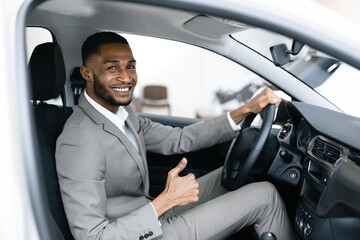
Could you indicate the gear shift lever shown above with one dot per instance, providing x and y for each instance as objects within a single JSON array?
[{"x": 268, "y": 236}]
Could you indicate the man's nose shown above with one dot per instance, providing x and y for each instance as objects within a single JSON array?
[{"x": 123, "y": 76}]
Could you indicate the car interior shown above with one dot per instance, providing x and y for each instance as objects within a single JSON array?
[{"x": 314, "y": 165}]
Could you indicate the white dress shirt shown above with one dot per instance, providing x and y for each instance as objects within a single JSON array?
[{"x": 118, "y": 119}]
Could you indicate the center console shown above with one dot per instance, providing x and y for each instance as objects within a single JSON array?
[{"x": 321, "y": 157}]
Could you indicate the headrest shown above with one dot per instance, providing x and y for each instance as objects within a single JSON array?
[{"x": 47, "y": 71}]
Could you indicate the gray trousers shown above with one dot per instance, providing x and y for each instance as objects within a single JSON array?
[{"x": 220, "y": 213}]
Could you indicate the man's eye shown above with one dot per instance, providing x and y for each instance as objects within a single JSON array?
[
  {"x": 130, "y": 67},
  {"x": 112, "y": 68}
]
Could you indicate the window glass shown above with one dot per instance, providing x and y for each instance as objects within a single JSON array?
[{"x": 199, "y": 83}]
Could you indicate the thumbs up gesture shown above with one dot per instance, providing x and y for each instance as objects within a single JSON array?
[
  {"x": 179, "y": 191},
  {"x": 184, "y": 189}
]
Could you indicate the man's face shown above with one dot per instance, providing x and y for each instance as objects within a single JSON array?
[{"x": 111, "y": 76}]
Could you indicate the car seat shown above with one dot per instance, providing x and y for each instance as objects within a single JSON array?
[{"x": 47, "y": 71}]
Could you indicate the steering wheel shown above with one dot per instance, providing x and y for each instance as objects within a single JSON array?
[{"x": 239, "y": 162}]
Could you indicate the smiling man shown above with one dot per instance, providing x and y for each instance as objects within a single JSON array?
[
  {"x": 102, "y": 168},
  {"x": 111, "y": 77}
]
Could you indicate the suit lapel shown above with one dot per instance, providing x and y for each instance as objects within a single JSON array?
[{"x": 112, "y": 129}]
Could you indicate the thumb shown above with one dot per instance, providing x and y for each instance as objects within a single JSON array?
[{"x": 182, "y": 164}]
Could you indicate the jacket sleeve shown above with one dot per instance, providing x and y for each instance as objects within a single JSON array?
[
  {"x": 80, "y": 162},
  {"x": 168, "y": 140}
]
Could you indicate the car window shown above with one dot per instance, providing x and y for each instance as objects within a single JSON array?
[{"x": 199, "y": 83}]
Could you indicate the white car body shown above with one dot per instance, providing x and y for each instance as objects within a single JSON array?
[{"x": 18, "y": 182}]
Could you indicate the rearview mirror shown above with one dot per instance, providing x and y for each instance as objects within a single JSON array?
[
  {"x": 296, "y": 47},
  {"x": 281, "y": 54}
]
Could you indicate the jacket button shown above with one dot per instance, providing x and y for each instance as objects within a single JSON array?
[
  {"x": 141, "y": 237},
  {"x": 146, "y": 235},
  {"x": 151, "y": 233}
]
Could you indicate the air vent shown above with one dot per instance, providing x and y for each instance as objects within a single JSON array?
[{"x": 326, "y": 151}]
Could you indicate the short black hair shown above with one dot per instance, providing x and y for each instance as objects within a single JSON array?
[{"x": 93, "y": 42}]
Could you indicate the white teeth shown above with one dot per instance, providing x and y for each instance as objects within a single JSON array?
[{"x": 121, "y": 89}]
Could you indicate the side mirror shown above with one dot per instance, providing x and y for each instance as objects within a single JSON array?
[{"x": 281, "y": 54}]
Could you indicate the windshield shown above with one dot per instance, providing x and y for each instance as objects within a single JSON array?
[{"x": 333, "y": 79}]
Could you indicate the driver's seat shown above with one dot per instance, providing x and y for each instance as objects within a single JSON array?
[{"x": 47, "y": 71}]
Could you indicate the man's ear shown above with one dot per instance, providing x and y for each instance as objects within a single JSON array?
[{"x": 86, "y": 73}]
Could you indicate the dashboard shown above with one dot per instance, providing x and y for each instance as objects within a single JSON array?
[{"x": 322, "y": 148}]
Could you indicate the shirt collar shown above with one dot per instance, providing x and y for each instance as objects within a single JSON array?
[{"x": 121, "y": 113}]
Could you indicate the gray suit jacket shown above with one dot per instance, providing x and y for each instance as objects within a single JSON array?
[{"x": 104, "y": 180}]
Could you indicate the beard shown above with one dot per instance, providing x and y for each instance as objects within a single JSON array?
[{"x": 104, "y": 94}]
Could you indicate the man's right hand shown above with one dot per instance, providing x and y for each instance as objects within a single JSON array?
[
  {"x": 179, "y": 191},
  {"x": 255, "y": 105}
]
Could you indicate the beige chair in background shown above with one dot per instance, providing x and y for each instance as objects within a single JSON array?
[{"x": 156, "y": 96}]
